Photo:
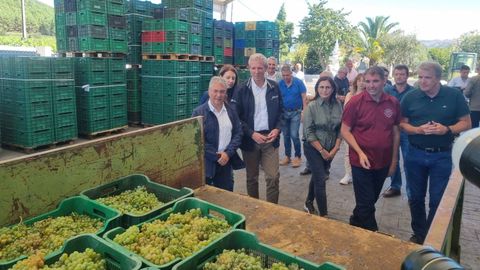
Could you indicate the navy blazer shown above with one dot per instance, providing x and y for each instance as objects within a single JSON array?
[
  {"x": 244, "y": 103},
  {"x": 211, "y": 132}
]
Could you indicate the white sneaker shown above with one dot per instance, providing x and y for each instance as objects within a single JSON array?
[{"x": 347, "y": 179}]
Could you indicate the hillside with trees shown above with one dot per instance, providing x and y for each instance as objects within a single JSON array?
[{"x": 40, "y": 17}]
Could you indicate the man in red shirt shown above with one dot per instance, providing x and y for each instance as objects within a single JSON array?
[{"x": 370, "y": 126}]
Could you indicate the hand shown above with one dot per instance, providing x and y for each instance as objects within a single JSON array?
[
  {"x": 333, "y": 152},
  {"x": 340, "y": 98},
  {"x": 392, "y": 168},
  {"x": 223, "y": 158},
  {"x": 325, "y": 154},
  {"x": 439, "y": 129},
  {"x": 272, "y": 135},
  {"x": 259, "y": 138},
  {"x": 364, "y": 161}
]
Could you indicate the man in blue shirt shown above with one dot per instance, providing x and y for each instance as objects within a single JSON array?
[
  {"x": 399, "y": 90},
  {"x": 294, "y": 100}
]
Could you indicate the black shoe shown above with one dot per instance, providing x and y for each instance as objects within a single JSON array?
[
  {"x": 305, "y": 171},
  {"x": 391, "y": 192},
  {"x": 309, "y": 208},
  {"x": 327, "y": 176},
  {"x": 415, "y": 239}
]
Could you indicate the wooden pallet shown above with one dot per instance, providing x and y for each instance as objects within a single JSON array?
[
  {"x": 205, "y": 58},
  {"x": 103, "y": 133},
  {"x": 162, "y": 56},
  {"x": 93, "y": 54},
  {"x": 31, "y": 150}
]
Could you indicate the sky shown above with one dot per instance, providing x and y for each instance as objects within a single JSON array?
[{"x": 427, "y": 19}]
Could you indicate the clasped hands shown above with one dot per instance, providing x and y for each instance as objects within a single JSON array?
[{"x": 270, "y": 137}]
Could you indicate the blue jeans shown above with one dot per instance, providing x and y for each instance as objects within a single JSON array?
[
  {"x": 367, "y": 185},
  {"x": 290, "y": 128},
  {"x": 396, "y": 178},
  {"x": 316, "y": 188},
  {"x": 422, "y": 166}
]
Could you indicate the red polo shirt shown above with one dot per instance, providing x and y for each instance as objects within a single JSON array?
[{"x": 372, "y": 124}]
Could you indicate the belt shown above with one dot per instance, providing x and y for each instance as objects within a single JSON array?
[
  {"x": 263, "y": 132},
  {"x": 432, "y": 149},
  {"x": 292, "y": 110}
]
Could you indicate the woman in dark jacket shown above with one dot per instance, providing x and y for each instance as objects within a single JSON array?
[
  {"x": 321, "y": 123},
  {"x": 223, "y": 136},
  {"x": 229, "y": 73}
]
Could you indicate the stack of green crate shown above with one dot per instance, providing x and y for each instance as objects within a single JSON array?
[
  {"x": 134, "y": 105},
  {"x": 64, "y": 101},
  {"x": 137, "y": 12},
  {"x": 207, "y": 33},
  {"x": 101, "y": 94},
  {"x": 243, "y": 75},
  {"x": 255, "y": 37},
  {"x": 117, "y": 92},
  {"x": 165, "y": 85},
  {"x": 37, "y": 105},
  {"x": 206, "y": 72},
  {"x": 194, "y": 85}
]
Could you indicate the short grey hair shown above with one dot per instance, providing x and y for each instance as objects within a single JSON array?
[
  {"x": 272, "y": 58},
  {"x": 432, "y": 66},
  {"x": 258, "y": 57},
  {"x": 217, "y": 80},
  {"x": 286, "y": 68}
]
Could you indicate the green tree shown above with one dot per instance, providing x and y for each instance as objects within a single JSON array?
[
  {"x": 442, "y": 56},
  {"x": 470, "y": 42},
  {"x": 373, "y": 33},
  {"x": 299, "y": 54},
  {"x": 40, "y": 17},
  {"x": 322, "y": 27},
  {"x": 402, "y": 49},
  {"x": 286, "y": 32}
]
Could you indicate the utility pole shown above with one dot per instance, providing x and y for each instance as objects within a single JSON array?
[{"x": 24, "y": 21}]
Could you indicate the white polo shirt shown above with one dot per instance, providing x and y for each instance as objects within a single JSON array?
[{"x": 224, "y": 127}]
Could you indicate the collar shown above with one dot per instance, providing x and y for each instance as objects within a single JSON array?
[
  {"x": 368, "y": 97},
  {"x": 441, "y": 93},
  {"x": 250, "y": 82},
  {"x": 213, "y": 108}
]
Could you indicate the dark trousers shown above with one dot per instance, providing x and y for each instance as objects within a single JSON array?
[
  {"x": 367, "y": 185},
  {"x": 223, "y": 177},
  {"x": 475, "y": 117},
  {"x": 316, "y": 188}
]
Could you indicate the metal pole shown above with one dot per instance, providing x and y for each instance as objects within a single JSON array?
[{"x": 24, "y": 21}]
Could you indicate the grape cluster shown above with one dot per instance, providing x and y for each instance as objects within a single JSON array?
[
  {"x": 136, "y": 201},
  {"x": 179, "y": 236},
  {"x": 241, "y": 260},
  {"x": 87, "y": 260},
  {"x": 44, "y": 236}
]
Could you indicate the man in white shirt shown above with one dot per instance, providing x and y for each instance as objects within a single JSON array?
[
  {"x": 352, "y": 72},
  {"x": 461, "y": 81},
  {"x": 258, "y": 102},
  {"x": 272, "y": 73}
]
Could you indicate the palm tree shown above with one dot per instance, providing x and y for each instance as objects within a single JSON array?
[{"x": 373, "y": 32}]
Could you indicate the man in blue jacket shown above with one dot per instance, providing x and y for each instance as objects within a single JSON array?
[
  {"x": 258, "y": 103},
  {"x": 223, "y": 135}
]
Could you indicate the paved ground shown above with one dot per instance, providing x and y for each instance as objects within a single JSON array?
[{"x": 393, "y": 215}]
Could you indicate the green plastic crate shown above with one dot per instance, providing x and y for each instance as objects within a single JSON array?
[
  {"x": 118, "y": 110},
  {"x": 120, "y": 89},
  {"x": 175, "y": 100},
  {"x": 176, "y": 36},
  {"x": 117, "y": 34},
  {"x": 175, "y": 85},
  {"x": 28, "y": 110},
  {"x": 71, "y": 18},
  {"x": 89, "y": 127},
  {"x": 175, "y": 25},
  {"x": 167, "y": 195},
  {"x": 27, "y": 139},
  {"x": 118, "y": 46},
  {"x": 119, "y": 121},
  {"x": 194, "y": 67},
  {"x": 120, "y": 99},
  {"x": 64, "y": 106},
  {"x": 235, "y": 220},
  {"x": 79, "y": 205},
  {"x": 88, "y": 44},
  {"x": 92, "y": 102},
  {"x": 91, "y": 78},
  {"x": 91, "y": 5},
  {"x": 134, "y": 55},
  {"x": 116, "y": 64},
  {"x": 239, "y": 239},
  {"x": 30, "y": 67},
  {"x": 65, "y": 119},
  {"x": 174, "y": 47},
  {"x": 62, "y": 65},
  {"x": 66, "y": 133},
  {"x": 152, "y": 25},
  {"x": 114, "y": 8},
  {"x": 195, "y": 39},
  {"x": 174, "y": 68},
  {"x": 88, "y": 17},
  {"x": 115, "y": 260},
  {"x": 194, "y": 83},
  {"x": 117, "y": 77}
]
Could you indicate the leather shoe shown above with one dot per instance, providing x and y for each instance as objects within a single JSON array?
[
  {"x": 306, "y": 171},
  {"x": 390, "y": 192}
]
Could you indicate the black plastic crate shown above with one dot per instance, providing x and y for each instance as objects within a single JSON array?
[
  {"x": 70, "y": 5},
  {"x": 117, "y": 21},
  {"x": 93, "y": 31},
  {"x": 72, "y": 31}
]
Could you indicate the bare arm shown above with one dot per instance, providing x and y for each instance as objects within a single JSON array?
[
  {"x": 350, "y": 139},
  {"x": 396, "y": 143}
]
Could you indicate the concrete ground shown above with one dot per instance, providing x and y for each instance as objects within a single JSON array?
[{"x": 393, "y": 214}]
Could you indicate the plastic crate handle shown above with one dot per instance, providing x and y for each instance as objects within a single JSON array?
[{"x": 99, "y": 212}]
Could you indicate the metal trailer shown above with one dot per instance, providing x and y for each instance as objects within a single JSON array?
[{"x": 172, "y": 154}]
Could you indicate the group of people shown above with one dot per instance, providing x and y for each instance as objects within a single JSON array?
[{"x": 375, "y": 119}]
